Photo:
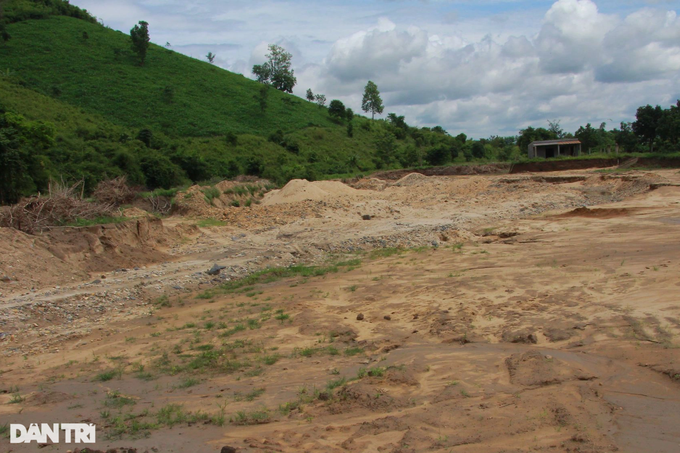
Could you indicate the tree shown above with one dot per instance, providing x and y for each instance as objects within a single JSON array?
[
  {"x": 211, "y": 57},
  {"x": 626, "y": 138},
  {"x": 669, "y": 125},
  {"x": 372, "y": 101},
  {"x": 554, "y": 127},
  {"x": 320, "y": 99},
  {"x": 336, "y": 109},
  {"x": 385, "y": 145},
  {"x": 349, "y": 114},
  {"x": 140, "y": 40},
  {"x": 478, "y": 150},
  {"x": 22, "y": 163},
  {"x": 276, "y": 70},
  {"x": 310, "y": 95},
  {"x": 647, "y": 124},
  {"x": 528, "y": 135}
]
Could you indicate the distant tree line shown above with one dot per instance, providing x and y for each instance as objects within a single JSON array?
[{"x": 655, "y": 129}]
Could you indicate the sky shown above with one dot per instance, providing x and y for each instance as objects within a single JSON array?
[{"x": 484, "y": 67}]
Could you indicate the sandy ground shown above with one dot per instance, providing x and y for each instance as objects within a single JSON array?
[{"x": 526, "y": 313}]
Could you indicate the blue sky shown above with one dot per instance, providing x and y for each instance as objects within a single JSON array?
[{"x": 486, "y": 67}]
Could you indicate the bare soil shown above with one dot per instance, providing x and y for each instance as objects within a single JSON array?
[{"x": 483, "y": 313}]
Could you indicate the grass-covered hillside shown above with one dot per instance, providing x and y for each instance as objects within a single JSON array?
[
  {"x": 93, "y": 67},
  {"x": 75, "y": 104}
]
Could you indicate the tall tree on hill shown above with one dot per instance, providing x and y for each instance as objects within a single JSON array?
[
  {"x": 211, "y": 57},
  {"x": 276, "y": 71},
  {"x": 310, "y": 95},
  {"x": 337, "y": 109},
  {"x": 372, "y": 102},
  {"x": 139, "y": 35},
  {"x": 320, "y": 99}
]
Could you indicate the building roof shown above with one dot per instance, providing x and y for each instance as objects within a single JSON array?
[{"x": 562, "y": 141}]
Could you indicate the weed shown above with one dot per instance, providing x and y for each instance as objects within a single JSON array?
[
  {"x": 188, "y": 382},
  {"x": 286, "y": 408},
  {"x": 251, "y": 418},
  {"x": 377, "y": 371},
  {"x": 163, "y": 301},
  {"x": 108, "y": 375},
  {"x": 237, "y": 328},
  {"x": 256, "y": 393},
  {"x": 352, "y": 351},
  {"x": 282, "y": 317},
  {"x": 115, "y": 400},
  {"x": 254, "y": 372},
  {"x": 16, "y": 399},
  {"x": 270, "y": 359},
  {"x": 210, "y": 193},
  {"x": 207, "y": 295},
  {"x": 333, "y": 384}
]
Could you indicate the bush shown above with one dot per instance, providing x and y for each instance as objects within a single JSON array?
[
  {"x": 438, "y": 155},
  {"x": 336, "y": 109},
  {"x": 159, "y": 171}
]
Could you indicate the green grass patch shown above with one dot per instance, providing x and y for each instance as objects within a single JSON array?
[
  {"x": 386, "y": 252},
  {"x": 207, "y": 223},
  {"x": 97, "y": 221}
]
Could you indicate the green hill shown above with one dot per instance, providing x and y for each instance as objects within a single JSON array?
[
  {"x": 171, "y": 93},
  {"x": 75, "y": 104}
]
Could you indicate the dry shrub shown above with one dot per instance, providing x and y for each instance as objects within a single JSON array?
[
  {"x": 115, "y": 192},
  {"x": 160, "y": 204},
  {"x": 62, "y": 204}
]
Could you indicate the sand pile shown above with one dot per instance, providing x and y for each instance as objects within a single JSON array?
[
  {"x": 412, "y": 179},
  {"x": 298, "y": 190}
]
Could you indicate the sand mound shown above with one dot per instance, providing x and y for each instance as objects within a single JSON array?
[
  {"x": 411, "y": 179},
  {"x": 300, "y": 190}
]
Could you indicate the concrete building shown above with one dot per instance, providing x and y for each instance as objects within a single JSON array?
[{"x": 555, "y": 148}]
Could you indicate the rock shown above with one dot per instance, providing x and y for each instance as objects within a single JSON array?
[
  {"x": 227, "y": 449},
  {"x": 366, "y": 217},
  {"x": 360, "y": 317},
  {"x": 215, "y": 270},
  {"x": 388, "y": 317},
  {"x": 554, "y": 334},
  {"x": 5, "y": 279},
  {"x": 522, "y": 336}
]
